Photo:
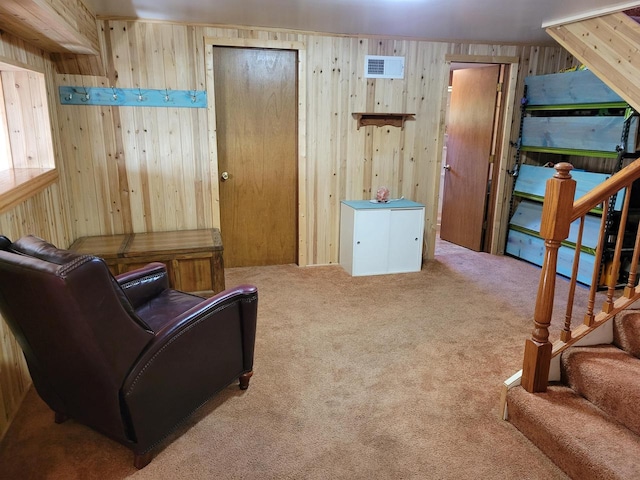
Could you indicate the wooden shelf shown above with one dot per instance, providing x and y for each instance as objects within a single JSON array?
[
  {"x": 20, "y": 184},
  {"x": 380, "y": 119},
  {"x": 576, "y": 106},
  {"x": 570, "y": 151}
]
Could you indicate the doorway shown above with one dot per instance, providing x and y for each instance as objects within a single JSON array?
[
  {"x": 476, "y": 141},
  {"x": 256, "y": 131}
]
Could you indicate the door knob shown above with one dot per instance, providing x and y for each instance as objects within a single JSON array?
[
  {"x": 224, "y": 176},
  {"x": 447, "y": 167}
]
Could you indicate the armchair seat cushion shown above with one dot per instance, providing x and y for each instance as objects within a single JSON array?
[{"x": 167, "y": 305}]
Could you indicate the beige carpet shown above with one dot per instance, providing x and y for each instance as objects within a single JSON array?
[{"x": 384, "y": 377}]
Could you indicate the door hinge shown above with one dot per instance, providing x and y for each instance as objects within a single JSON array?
[
  {"x": 499, "y": 87},
  {"x": 492, "y": 158}
]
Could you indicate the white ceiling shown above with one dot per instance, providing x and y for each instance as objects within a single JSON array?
[{"x": 496, "y": 21}]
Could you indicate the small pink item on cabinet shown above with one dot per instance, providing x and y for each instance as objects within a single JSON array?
[{"x": 382, "y": 195}]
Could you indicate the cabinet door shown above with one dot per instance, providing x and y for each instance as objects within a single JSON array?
[
  {"x": 370, "y": 242},
  {"x": 347, "y": 217},
  {"x": 406, "y": 229}
]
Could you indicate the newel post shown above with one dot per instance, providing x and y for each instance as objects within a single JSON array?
[{"x": 554, "y": 228}]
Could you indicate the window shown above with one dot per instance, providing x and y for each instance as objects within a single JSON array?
[{"x": 27, "y": 163}]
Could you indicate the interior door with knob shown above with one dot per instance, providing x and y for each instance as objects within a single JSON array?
[
  {"x": 256, "y": 121},
  {"x": 470, "y": 133}
]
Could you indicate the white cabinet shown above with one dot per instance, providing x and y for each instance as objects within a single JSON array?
[{"x": 378, "y": 238}]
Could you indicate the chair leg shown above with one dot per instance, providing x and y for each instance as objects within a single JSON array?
[
  {"x": 244, "y": 380},
  {"x": 60, "y": 417},
  {"x": 141, "y": 461}
]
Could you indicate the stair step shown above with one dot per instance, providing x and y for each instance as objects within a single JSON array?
[
  {"x": 608, "y": 377},
  {"x": 626, "y": 332},
  {"x": 581, "y": 439}
]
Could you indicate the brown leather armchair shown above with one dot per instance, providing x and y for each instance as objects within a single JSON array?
[{"x": 125, "y": 355}]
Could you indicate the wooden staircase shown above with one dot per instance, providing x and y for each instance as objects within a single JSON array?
[
  {"x": 577, "y": 397},
  {"x": 588, "y": 423}
]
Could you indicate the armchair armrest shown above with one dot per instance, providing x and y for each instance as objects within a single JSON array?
[
  {"x": 191, "y": 358},
  {"x": 144, "y": 283}
]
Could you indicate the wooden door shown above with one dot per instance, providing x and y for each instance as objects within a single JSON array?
[
  {"x": 470, "y": 131},
  {"x": 256, "y": 121}
]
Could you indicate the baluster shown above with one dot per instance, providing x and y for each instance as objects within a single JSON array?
[
  {"x": 595, "y": 279},
  {"x": 554, "y": 228},
  {"x": 630, "y": 289},
  {"x": 608, "y": 304},
  {"x": 565, "y": 335}
]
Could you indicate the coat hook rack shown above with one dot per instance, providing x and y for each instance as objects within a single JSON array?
[{"x": 132, "y": 97}]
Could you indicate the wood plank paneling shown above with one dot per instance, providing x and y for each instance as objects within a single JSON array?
[
  {"x": 161, "y": 167},
  {"x": 44, "y": 214},
  {"x": 167, "y": 171},
  {"x": 26, "y": 112}
]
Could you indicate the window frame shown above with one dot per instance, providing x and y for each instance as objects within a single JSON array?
[{"x": 27, "y": 159}]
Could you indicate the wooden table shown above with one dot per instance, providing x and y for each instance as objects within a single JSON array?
[{"x": 193, "y": 257}]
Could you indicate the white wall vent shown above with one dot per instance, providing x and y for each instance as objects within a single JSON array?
[{"x": 377, "y": 66}]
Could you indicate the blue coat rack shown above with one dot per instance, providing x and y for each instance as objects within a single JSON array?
[{"x": 132, "y": 97}]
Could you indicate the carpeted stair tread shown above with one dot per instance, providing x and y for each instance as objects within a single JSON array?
[
  {"x": 575, "y": 434},
  {"x": 608, "y": 377},
  {"x": 626, "y": 332}
]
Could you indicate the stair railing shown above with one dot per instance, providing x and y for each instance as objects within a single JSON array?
[{"x": 558, "y": 212}]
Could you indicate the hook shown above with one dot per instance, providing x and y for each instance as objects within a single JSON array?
[
  {"x": 194, "y": 96},
  {"x": 115, "y": 94},
  {"x": 86, "y": 94},
  {"x": 166, "y": 95},
  {"x": 140, "y": 95}
]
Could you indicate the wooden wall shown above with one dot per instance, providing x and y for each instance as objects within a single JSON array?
[
  {"x": 151, "y": 169},
  {"x": 44, "y": 215},
  {"x": 25, "y": 92},
  {"x": 138, "y": 169}
]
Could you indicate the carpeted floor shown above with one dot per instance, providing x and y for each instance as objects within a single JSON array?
[{"x": 384, "y": 377}]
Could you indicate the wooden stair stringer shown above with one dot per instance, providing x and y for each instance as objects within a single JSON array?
[{"x": 609, "y": 46}]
